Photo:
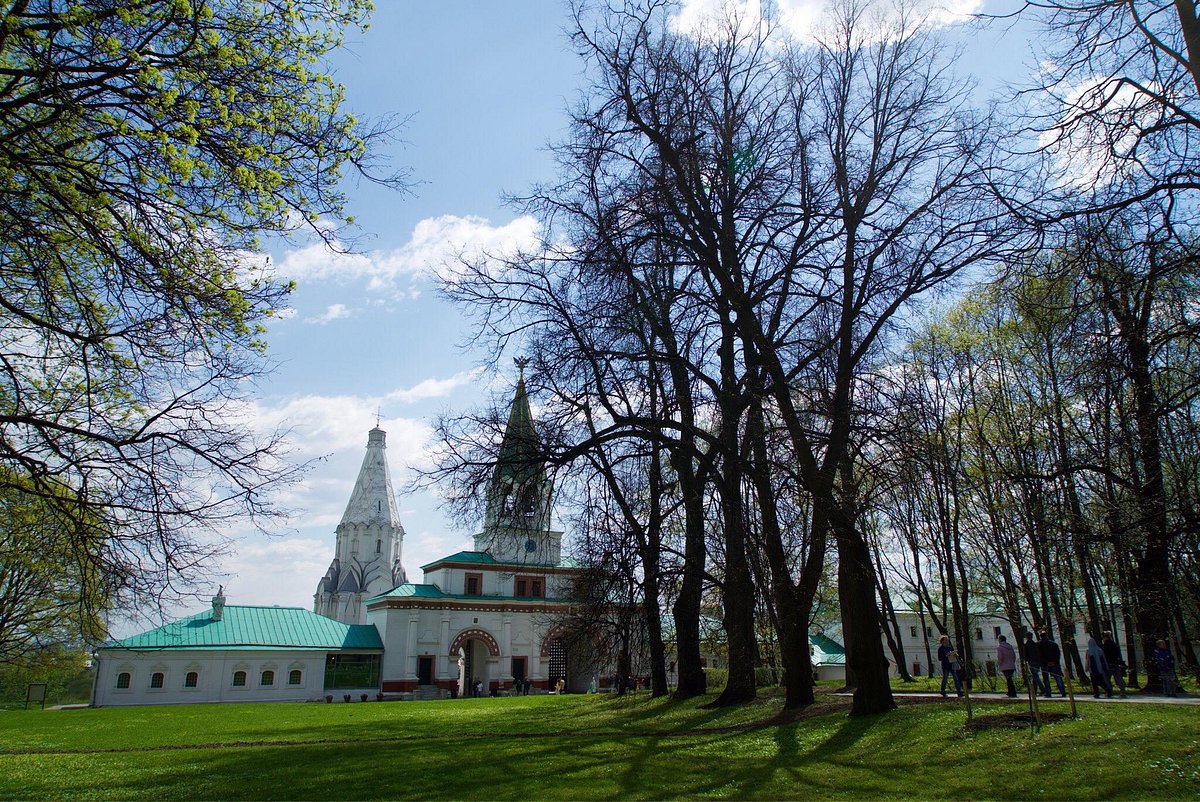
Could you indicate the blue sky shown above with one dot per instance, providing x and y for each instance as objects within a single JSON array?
[{"x": 486, "y": 85}]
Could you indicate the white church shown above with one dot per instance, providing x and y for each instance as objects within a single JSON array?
[{"x": 493, "y": 617}]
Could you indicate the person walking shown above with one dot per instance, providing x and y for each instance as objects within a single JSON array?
[
  {"x": 1098, "y": 669},
  {"x": 1032, "y": 654},
  {"x": 1051, "y": 664},
  {"x": 950, "y": 665},
  {"x": 1116, "y": 663},
  {"x": 1006, "y": 661},
  {"x": 1166, "y": 667}
]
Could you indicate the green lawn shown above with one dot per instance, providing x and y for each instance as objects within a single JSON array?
[{"x": 590, "y": 747}]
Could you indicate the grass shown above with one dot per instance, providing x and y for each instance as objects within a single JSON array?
[{"x": 590, "y": 747}]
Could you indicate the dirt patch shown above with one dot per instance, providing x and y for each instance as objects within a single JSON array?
[{"x": 1013, "y": 721}]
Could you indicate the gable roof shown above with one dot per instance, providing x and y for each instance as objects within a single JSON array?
[
  {"x": 484, "y": 558},
  {"x": 826, "y": 651},
  {"x": 414, "y": 591},
  {"x": 244, "y": 627}
]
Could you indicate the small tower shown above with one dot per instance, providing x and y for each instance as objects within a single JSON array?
[
  {"x": 366, "y": 559},
  {"x": 516, "y": 525}
]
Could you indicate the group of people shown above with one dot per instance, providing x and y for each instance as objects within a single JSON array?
[{"x": 1105, "y": 665}]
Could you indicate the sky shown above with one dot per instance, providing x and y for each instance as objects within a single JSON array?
[{"x": 485, "y": 87}]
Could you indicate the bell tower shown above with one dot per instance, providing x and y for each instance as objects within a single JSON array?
[{"x": 516, "y": 525}]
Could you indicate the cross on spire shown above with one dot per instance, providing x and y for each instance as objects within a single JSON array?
[{"x": 521, "y": 362}]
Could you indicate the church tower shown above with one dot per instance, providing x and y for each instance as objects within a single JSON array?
[
  {"x": 366, "y": 561},
  {"x": 516, "y": 525}
]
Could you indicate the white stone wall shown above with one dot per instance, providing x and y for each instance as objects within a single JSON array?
[
  {"x": 410, "y": 632},
  {"x": 215, "y": 674}
]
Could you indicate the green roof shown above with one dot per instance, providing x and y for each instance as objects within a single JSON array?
[
  {"x": 410, "y": 591},
  {"x": 473, "y": 557},
  {"x": 827, "y": 651},
  {"x": 484, "y": 558},
  {"x": 257, "y": 628}
]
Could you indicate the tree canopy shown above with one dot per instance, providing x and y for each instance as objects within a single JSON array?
[{"x": 145, "y": 145}]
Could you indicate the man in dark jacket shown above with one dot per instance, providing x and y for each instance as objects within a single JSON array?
[
  {"x": 1116, "y": 663},
  {"x": 1051, "y": 664},
  {"x": 1031, "y": 653}
]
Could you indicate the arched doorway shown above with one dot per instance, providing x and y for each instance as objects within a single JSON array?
[
  {"x": 480, "y": 654},
  {"x": 556, "y": 663}
]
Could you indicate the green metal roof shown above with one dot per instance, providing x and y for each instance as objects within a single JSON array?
[
  {"x": 484, "y": 558},
  {"x": 410, "y": 591},
  {"x": 257, "y": 628},
  {"x": 826, "y": 651},
  {"x": 473, "y": 557}
]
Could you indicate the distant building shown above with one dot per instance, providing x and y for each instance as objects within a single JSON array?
[
  {"x": 919, "y": 639},
  {"x": 366, "y": 558},
  {"x": 240, "y": 654},
  {"x": 490, "y": 617}
]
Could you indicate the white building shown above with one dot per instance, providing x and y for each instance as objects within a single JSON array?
[
  {"x": 366, "y": 558},
  {"x": 919, "y": 639},
  {"x": 240, "y": 654},
  {"x": 493, "y": 615}
]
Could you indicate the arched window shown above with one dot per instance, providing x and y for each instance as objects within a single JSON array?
[
  {"x": 267, "y": 678},
  {"x": 294, "y": 677},
  {"x": 157, "y": 679},
  {"x": 239, "y": 679},
  {"x": 191, "y": 679},
  {"x": 123, "y": 679},
  {"x": 378, "y": 546}
]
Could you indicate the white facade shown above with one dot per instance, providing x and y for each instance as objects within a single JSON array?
[
  {"x": 920, "y": 641},
  {"x": 491, "y": 615},
  {"x": 189, "y": 676},
  {"x": 240, "y": 654},
  {"x": 370, "y": 538},
  {"x": 498, "y": 636}
]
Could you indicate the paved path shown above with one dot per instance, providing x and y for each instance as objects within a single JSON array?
[{"x": 1134, "y": 698}]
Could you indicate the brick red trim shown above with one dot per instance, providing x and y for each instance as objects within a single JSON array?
[{"x": 475, "y": 633}]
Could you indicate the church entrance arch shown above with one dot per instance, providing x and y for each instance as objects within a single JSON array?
[{"x": 480, "y": 655}]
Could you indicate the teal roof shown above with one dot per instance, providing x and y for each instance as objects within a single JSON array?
[
  {"x": 413, "y": 591},
  {"x": 484, "y": 558},
  {"x": 257, "y": 628},
  {"x": 826, "y": 651},
  {"x": 473, "y": 557}
]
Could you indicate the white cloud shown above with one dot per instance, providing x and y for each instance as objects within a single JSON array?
[
  {"x": 1098, "y": 124},
  {"x": 435, "y": 246},
  {"x": 803, "y": 20},
  {"x": 705, "y": 17},
  {"x": 332, "y": 312},
  {"x": 282, "y": 571},
  {"x": 327, "y": 424},
  {"x": 433, "y": 388}
]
